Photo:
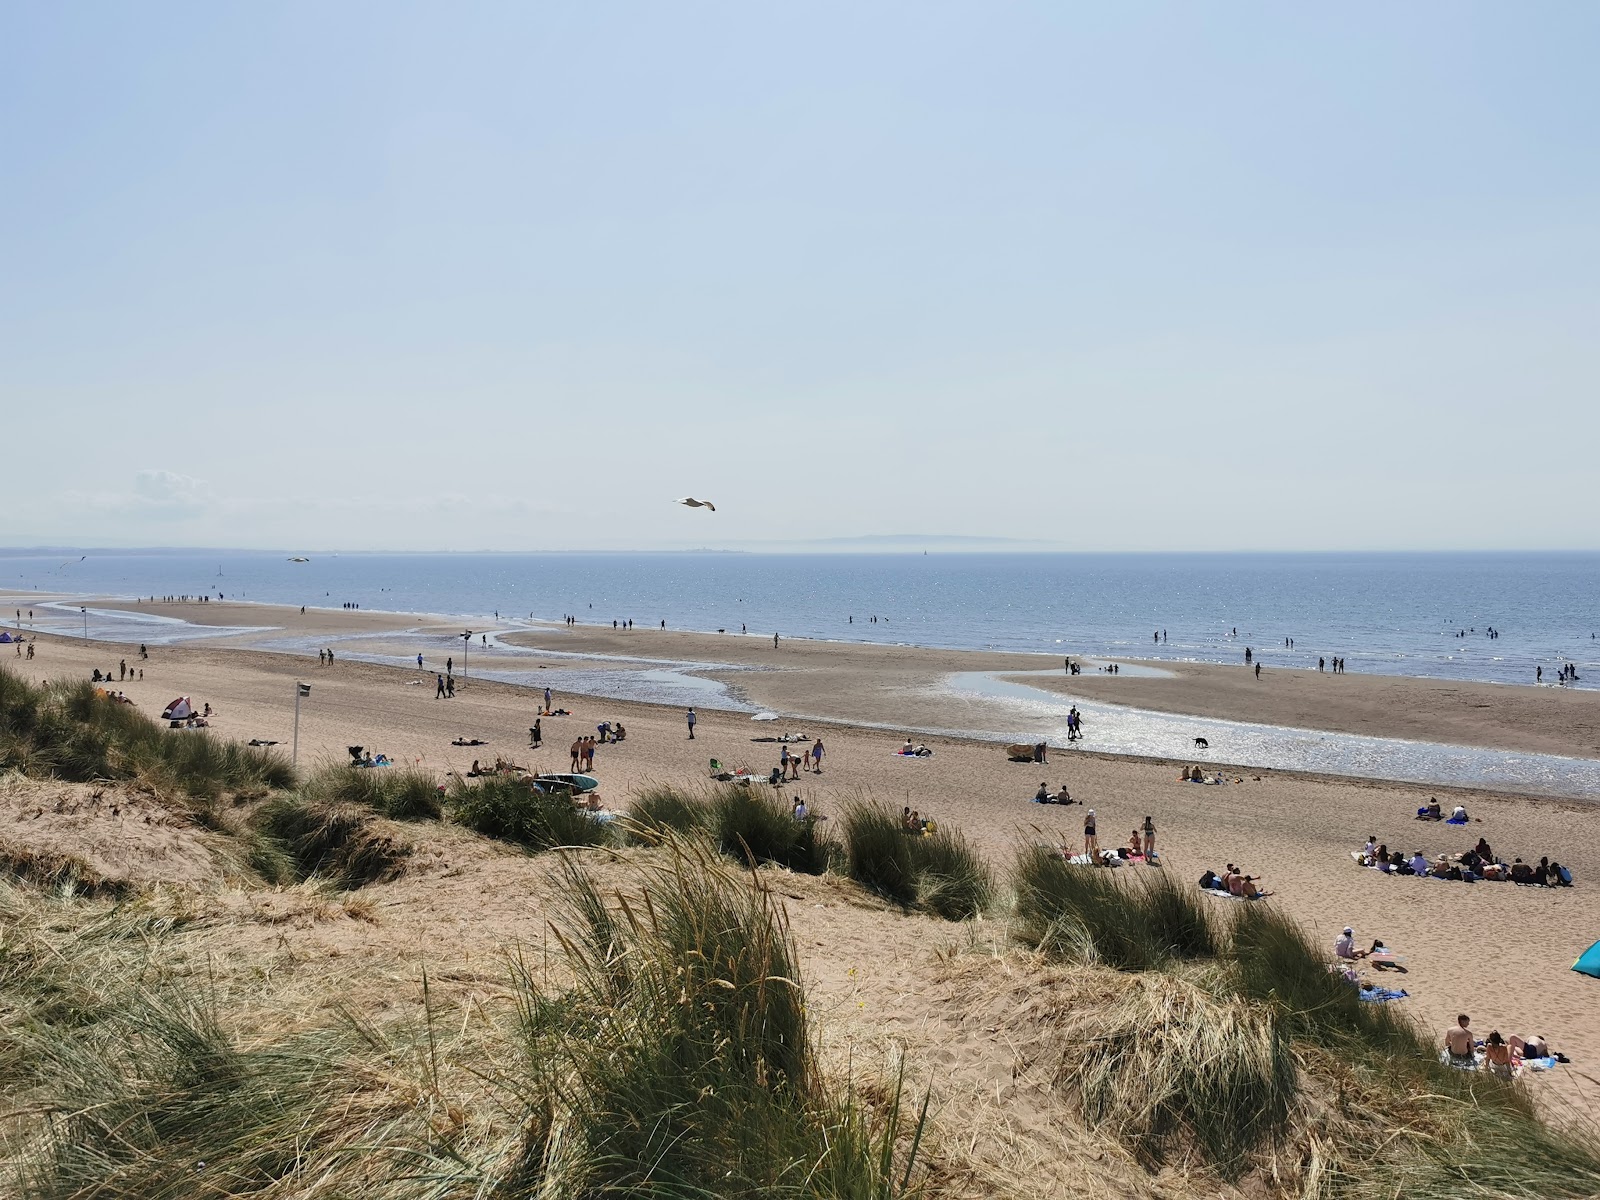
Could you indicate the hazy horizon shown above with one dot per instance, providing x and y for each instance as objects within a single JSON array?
[{"x": 1148, "y": 278}]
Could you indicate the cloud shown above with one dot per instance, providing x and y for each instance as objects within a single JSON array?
[{"x": 167, "y": 493}]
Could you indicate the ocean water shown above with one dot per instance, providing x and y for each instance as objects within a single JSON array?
[{"x": 1399, "y": 614}]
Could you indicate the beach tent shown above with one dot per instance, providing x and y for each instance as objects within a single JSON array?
[
  {"x": 180, "y": 709},
  {"x": 1589, "y": 961},
  {"x": 5, "y": 638}
]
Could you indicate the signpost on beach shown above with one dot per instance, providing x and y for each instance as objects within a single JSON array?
[
  {"x": 85, "y": 613},
  {"x": 466, "y": 640},
  {"x": 300, "y": 689}
]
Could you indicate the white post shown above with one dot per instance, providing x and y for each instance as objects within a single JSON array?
[
  {"x": 85, "y": 613},
  {"x": 295, "y": 759}
]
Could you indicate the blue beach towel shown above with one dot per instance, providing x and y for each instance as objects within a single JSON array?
[{"x": 1380, "y": 995}]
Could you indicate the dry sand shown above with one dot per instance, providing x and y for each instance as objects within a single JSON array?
[{"x": 1499, "y": 952}]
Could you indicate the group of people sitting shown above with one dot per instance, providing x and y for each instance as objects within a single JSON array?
[
  {"x": 1045, "y": 796},
  {"x": 1496, "y": 1054},
  {"x": 1431, "y": 811},
  {"x": 1376, "y": 955},
  {"x": 611, "y": 732},
  {"x": 1470, "y": 866},
  {"x": 916, "y": 824},
  {"x": 914, "y": 751},
  {"x": 1234, "y": 882},
  {"x": 1193, "y": 774}
]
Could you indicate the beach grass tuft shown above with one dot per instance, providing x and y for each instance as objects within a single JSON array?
[
  {"x": 681, "y": 1062},
  {"x": 1170, "y": 1066},
  {"x": 331, "y": 841},
  {"x": 753, "y": 825},
  {"x": 401, "y": 793},
  {"x": 511, "y": 809},
  {"x": 662, "y": 807},
  {"x": 1088, "y": 914},
  {"x": 938, "y": 872}
]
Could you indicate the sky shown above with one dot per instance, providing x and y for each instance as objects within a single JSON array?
[{"x": 1135, "y": 276}]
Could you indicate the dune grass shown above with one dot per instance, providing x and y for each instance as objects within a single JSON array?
[
  {"x": 332, "y": 841},
  {"x": 401, "y": 793},
  {"x": 509, "y": 809},
  {"x": 681, "y": 1062},
  {"x": 1086, "y": 914},
  {"x": 1169, "y": 1065},
  {"x": 745, "y": 821},
  {"x": 659, "y": 808},
  {"x": 754, "y": 825},
  {"x": 673, "y": 1059},
  {"x": 69, "y": 731},
  {"x": 937, "y": 872}
]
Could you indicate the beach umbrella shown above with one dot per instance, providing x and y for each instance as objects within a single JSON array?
[
  {"x": 1589, "y": 961},
  {"x": 765, "y": 716}
]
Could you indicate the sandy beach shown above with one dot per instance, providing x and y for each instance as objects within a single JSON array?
[{"x": 1498, "y": 952}]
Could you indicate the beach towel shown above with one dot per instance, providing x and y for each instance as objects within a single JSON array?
[
  {"x": 1222, "y": 894},
  {"x": 1455, "y": 820},
  {"x": 1378, "y": 995}
]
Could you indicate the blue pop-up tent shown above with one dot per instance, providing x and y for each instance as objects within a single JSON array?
[{"x": 1589, "y": 961}]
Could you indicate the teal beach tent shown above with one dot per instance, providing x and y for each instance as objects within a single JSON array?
[{"x": 1589, "y": 961}]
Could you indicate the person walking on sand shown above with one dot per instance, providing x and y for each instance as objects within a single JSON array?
[
  {"x": 690, "y": 718},
  {"x": 547, "y": 698},
  {"x": 816, "y": 755},
  {"x": 783, "y": 762},
  {"x": 419, "y": 662},
  {"x": 449, "y": 687},
  {"x": 1258, "y": 670},
  {"x": 439, "y": 691},
  {"x": 774, "y": 641},
  {"x": 122, "y": 670},
  {"x": 1091, "y": 843}
]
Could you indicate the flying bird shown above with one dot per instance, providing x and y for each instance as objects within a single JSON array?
[{"x": 693, "y": 503}]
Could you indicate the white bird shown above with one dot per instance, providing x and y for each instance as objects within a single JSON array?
[{"x": 693, "y": 503}]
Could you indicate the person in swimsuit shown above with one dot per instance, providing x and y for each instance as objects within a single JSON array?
[
  {"x": 1149, "y": 838},
  {"x": 1458, "y": 1043},
  {"x": 1091, "y": 844},
  {"x": 1497, "y": 1055}
]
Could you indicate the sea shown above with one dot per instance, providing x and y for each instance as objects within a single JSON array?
[
  {"x": 1400, "y": 614},
  {"x": 1489, "y": 617}
]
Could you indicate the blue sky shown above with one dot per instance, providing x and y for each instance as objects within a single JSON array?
[{"x": 394, "y": 276}]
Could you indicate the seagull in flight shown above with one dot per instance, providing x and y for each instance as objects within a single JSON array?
[{"x": 693, "y": 503}]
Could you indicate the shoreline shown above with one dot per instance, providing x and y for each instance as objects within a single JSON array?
[{"x": 911, "y": 689}]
